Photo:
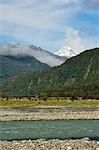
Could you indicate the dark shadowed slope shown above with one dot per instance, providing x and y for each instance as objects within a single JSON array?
[{"x": 14, "y": 65}]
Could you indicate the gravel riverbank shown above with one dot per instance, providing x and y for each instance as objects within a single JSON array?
[
  {"x": 48, "y": 113},
  {"x": 82, "y": 144}
]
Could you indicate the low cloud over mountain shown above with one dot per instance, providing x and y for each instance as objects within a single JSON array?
[{"x": 40, "y": 54}]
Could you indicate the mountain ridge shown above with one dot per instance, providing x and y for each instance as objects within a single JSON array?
[
  {"x": 40, "y": 54},
  {"x": 79, "y": 75}
]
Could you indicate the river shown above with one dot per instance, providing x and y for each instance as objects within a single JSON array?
[{"x": 57, "y": 129}]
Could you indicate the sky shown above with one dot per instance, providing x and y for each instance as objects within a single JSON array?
[{"x": 50, "y": 24}]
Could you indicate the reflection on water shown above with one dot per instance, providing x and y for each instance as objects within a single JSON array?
[{"x": 59, "y": 129}]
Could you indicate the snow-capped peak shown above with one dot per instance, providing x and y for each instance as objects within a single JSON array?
[{"x": 66, "y": 51}]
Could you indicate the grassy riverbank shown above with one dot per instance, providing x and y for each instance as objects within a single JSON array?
[{"x": 47, "y": 102}]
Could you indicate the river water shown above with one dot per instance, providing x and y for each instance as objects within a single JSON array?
[{"x": 57, "y": 129}]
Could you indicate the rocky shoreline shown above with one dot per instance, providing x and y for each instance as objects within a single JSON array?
[
  {"x": 79, "y": 144},
  {"x": 48, "y": 113}
]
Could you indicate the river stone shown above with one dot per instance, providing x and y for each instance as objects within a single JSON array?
[{"x": 69, "y": 148}]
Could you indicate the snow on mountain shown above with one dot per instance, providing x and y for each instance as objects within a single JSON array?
[
  {"x": 40, "y": 54},
  {"x": 66, "y": 51}
]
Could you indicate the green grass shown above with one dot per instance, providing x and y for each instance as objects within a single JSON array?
[{"x": 48, "y": 102}]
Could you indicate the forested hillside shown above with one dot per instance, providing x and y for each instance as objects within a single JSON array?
[
  {"x": 14, "y": 65},
  {"x": 78, "y": 76}
]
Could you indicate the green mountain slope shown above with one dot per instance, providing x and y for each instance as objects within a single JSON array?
[
  {"x": 77, "y": 76},
  {"x": 13, "y": 65}
]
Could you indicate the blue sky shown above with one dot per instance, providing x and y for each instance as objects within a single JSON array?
[{"x": 50, "y": 24}]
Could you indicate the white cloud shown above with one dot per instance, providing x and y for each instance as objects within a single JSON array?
[
  {"x": 36, "y": 14},
  {"x": 64, "y": 2},
  {"x": 74, "y": 40},
  {"x": 91, "y": 5},
  {"x": 25, "y": 17},
  {"x": 28, "y": 20}
]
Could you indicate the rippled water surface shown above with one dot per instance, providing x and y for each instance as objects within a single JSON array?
[{"x": 58, "y": 129}]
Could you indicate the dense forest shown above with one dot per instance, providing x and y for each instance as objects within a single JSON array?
[{"x": 14, "y": 65}]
